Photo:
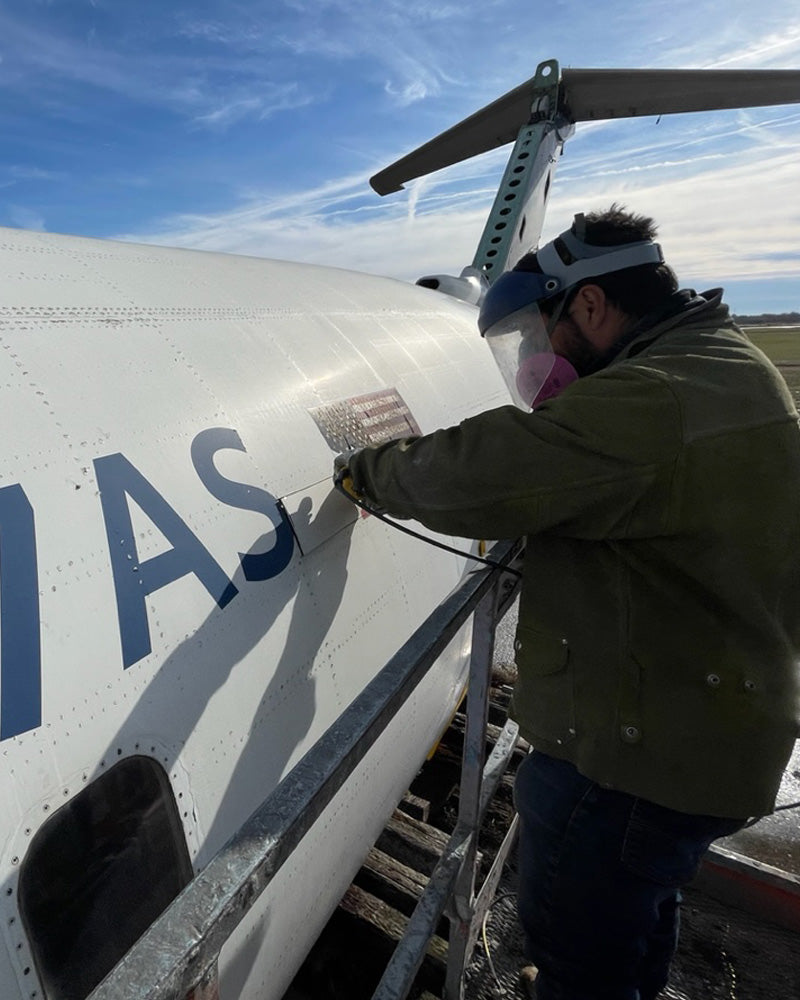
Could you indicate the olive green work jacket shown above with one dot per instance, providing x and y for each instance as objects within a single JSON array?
[{"x": 659, "y": 617}]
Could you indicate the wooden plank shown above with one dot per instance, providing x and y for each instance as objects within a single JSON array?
[
  {"x": 411, "y": 842},
  {"x": 354, "y": 949},
  {"x": 382, "y": 928},
  {"x": 390, "y": 880},
  {"x": 457, "y": 727},
  {"x": 415, "y": 806},
  {"x": 388, "y": 920},
  {"x": 358, "y": 942}
]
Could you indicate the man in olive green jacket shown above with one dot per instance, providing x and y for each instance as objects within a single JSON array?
[{"x": 659, "y": 620}]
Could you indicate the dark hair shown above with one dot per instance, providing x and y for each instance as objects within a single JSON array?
[{"x": 634, "y": 290}]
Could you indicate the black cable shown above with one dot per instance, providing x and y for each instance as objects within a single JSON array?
[
  {"x": 792, "y": 805},
  {"x": 757, "y": 819},
  {"x": 415, "y": 534}
]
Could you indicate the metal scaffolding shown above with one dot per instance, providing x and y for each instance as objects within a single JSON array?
[{"x": 177, "y": 956}]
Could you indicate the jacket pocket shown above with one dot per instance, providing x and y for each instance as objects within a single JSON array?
[{"x": 544, "y": 700}]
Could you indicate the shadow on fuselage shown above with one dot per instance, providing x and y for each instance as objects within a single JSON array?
[
  {"x": 191, "y": 683},
  {"x": 192, "y": 699}
]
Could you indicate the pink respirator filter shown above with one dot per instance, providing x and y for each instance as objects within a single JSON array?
[{"x": 542, "y": 376}]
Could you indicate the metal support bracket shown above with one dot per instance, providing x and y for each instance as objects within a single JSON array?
[
  {"x": 451, "y": 888},
  {"x": 521, "y": 198}
]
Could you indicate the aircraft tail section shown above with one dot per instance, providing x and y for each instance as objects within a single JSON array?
[
  {"x": 495, "y": 125},
  {"x": 592, "y": 95}
]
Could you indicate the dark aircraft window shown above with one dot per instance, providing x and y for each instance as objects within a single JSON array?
[{"x": 98, "y": 873}]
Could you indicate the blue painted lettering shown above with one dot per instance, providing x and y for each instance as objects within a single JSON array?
[
  {"x": 20, "y": 644},
  {"x": 256, "y": 566},
  {"x": 133, "y": 581}
]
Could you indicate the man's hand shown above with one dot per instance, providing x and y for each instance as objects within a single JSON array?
[
  {"x": 342, "y": 477},
  {"x": 341, "y": 464},
  {"x": 344, "y": 481}
]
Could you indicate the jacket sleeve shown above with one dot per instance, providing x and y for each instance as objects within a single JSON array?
[{"x": 596, "y": 462}]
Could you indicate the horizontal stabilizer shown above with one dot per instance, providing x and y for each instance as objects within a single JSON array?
[
  {"x": 495, "y": 125},
  {"x": 592, "y": 95}
]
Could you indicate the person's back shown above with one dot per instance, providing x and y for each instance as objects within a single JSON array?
[{"x": 682, "y": 617}]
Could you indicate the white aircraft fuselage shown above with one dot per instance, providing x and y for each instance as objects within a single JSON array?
[{"x": 166, "y": 415}]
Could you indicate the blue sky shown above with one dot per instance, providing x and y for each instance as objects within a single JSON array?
[{"x": 252, "y": 126}]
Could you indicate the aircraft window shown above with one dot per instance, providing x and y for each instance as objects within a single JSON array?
[{"x": 98, "y": 873}]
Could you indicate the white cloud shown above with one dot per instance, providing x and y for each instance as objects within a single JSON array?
[
  {"x": 411, "y": 42},
  {"x": 228, "y": 113},
  {"x": 411, "y": 92},
  {"x": 781, "y": 47},
  {"x": 434, "y": 225},
  {"x": 723, "y": 188},
  {"x": 26, "y": 218},
  {"x": 211, "y": 90},
  {"x": 721, "y": 216},
  {"x": 221, "y": 32},
  {"x": 315, "y": 42},
  {"x": 261, "y": 106},
  {"x": 725, "y": 223},
  {"x": 28, "y": 173}
]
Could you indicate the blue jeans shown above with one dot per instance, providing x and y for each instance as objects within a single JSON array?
[{"x": 599, "y": 879}]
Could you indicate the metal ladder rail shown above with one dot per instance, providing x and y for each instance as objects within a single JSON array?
[
  {"x": 177, "y": 956},
  {"x": 453, "y": 878}
]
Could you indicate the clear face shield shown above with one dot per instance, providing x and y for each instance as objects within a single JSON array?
[{"x": 519, "y": 339}]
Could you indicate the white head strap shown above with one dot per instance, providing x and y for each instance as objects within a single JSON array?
[{"x": 591, "y": 261}]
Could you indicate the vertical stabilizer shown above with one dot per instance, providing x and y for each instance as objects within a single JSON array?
[{"x": 516, "y": 218}]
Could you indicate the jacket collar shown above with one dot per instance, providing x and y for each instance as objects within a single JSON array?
[{"x": 682, "y": 307}]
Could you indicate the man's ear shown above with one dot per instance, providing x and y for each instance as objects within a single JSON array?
[
  {"x": 601, "y": 321},
  {"x": 592, "y": 306}
]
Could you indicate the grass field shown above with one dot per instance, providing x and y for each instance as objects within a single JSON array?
[{"x": 782, "y": 345}]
